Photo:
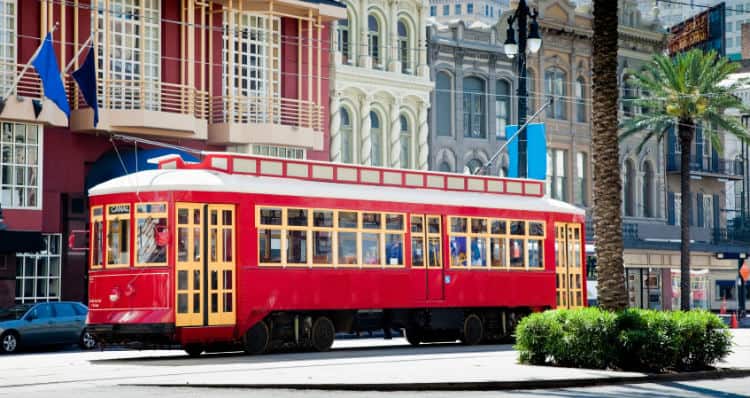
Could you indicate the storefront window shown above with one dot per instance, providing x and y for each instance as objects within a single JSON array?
[{"x": 38, "y": 274}]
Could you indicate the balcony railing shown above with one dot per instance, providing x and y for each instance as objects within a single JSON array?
[
  {"x": 30, "y": 86},
  {"x": 146, "y": 95},
  {"x": 273, "y": 110},
  {"x": 707, "y": 164}
]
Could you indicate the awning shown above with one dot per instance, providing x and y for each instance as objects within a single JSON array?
[{"x": 20, "y": 241}]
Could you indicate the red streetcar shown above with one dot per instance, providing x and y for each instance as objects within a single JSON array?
[{"x": 259, "y": 252}]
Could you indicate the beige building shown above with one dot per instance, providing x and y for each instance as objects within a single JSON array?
[{"x": 380, "y": 91}]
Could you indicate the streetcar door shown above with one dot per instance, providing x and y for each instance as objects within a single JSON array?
[
  {"x": 429, "y": 238},
  {"x": 568, "y": 265},
  {"x": 189, "y": 265},
  {"x": 222, "y": 277}
]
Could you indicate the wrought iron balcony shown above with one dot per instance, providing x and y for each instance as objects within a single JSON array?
[{"x": 707, "y": 165}]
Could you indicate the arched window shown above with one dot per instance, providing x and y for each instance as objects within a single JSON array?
[
  {"x": 373, "y": 40},
  {"x": 445, "y": 167},
  {"x": 376, "y": 137},
  {"x": 473, "y": 165},
  {"x": 474, "y": 108},
  {"x": 648, "y": 190},
  {"x": 405, "y": 141},
  {"x": 629, "y": 187},
  {"x": 628, "y": 94},
  {"x": 502, "y": 107},
  {"x": 347, "y": 137},
  {"x": 444, "y": 104},
  {"x": 554, "y": 86},
  {"x": 403, "y": 47},
  {"x": 344, "y": 37},
  {"x": 580, "y": 94}
]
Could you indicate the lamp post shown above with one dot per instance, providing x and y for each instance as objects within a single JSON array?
[{"x": 534, "y": 41}]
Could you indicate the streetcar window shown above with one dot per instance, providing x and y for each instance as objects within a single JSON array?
[
  {"x": 297, "y": 217},
  {"x": 498, "y": 227},
  {"x": 517, "y": 253},
  {"x": 322, "y": 247},
  {"x": 323, "y": 218},
  {"x": 118, "y": 235},
  {"x": 435, "y": 259},
  {"x": 498, "y": 253},
  {"x": 458, "y": 224},
  {"x": 479, "y": 252},
  {"x": 417, "y": 224},
  {"x": 478, "y": 225},
  {"x": 394, "y": 222},
  {"x": 417, "y": 252},
  {"x": 97, "y": 237},
  {"x": 269, "y": 245},
  {"x": 347, "y": 242},
  {"x": 536, "y": 229},
  {"x": 371, "y": 248},
  {"x": 347, "y": 219},
  {"x": 371, "y": 220},
  {"x": 296, "y": 248},
  {"x": 518, "y": 228},
  {"x": 270, "y": 216},
  {"x": 394, "y": 244},
  {"x": 152, "y": 234},
  {"x": 536, "y": 253},
  {"x": 458, "y": 251}
]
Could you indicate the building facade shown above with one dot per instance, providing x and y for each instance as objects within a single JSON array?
[
  {"x": 201, "y": 74},
  {"x": 651, "y": 195},
  {"x": 473, "y": 99},
  {"x": 486, "y": 12},
  {"x": 380, "y": 93}
]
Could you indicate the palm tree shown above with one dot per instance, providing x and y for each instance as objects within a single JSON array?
[
  {"x": 607, "y": 184},
  {"x": 685, "y": 91}
]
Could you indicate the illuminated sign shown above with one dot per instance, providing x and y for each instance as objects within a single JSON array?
[{"x": 704, "y": 31}]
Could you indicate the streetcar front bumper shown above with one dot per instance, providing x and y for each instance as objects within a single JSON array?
[{"x": 122, "y": 333}]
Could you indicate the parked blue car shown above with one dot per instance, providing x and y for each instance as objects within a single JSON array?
[{"x": 44, "y": 324}]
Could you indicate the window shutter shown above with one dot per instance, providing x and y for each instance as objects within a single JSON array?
[
  {"x": 672, "y": 156},
  {"x": 691, "y": 219},
  {"x": 716, "y": 211},
  {"x": 699, "y": 207},
  {"x": 670, "y": 208},
  {"x": 698, "y": 147}
]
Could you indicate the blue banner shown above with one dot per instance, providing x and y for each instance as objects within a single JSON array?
[
  {"x": 536, "y": 151},
  {"x": 512, "y": 150},
  {"x": 47, "y": 67},
  {"x": 85, "y": 76}
]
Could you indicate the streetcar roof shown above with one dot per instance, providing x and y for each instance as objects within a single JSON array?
[{"x": 214, "y": 181}]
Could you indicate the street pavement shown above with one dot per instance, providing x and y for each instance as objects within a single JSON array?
[{"x": 357, "y": 361}]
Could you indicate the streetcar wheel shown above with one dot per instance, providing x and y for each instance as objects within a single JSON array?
[
  {"x": 473, "y": 330},
  {"x": 256, "y": 339},
  {"x": 87, "y": 341},
  {"x": 194, "y": 350},
  {"x": 9, "y": 342},
  {"x": 323, "y": 333},
  {"x": 413, "y": 336}
]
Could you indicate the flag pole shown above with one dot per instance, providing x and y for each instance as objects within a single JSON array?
[
  {"x": 78, "y": 54},
  {"x": 499, "y": 151},
  {"x": 27, "y": 66}
]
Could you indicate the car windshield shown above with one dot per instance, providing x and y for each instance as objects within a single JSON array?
[{"x": 14, "y": 312}]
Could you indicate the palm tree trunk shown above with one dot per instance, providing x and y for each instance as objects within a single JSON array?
[
  {"x": 686, "y": 130},
  {"x": 607, "y": 184}
]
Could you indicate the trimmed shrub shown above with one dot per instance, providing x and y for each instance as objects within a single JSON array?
[{"x": 637, "y": 340}]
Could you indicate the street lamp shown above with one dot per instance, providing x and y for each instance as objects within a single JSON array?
[{"x": 534, "y": 41}]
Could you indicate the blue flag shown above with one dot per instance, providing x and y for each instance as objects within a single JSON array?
[
  {"x": 512, "y": 150},
  {"x": 46, "y": 66},
  {"x": 536, "y": 151},
  {"x": 85, "y": 76}
]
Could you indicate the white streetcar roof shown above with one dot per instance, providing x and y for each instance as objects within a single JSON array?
[{"x": 215, "y": 181}]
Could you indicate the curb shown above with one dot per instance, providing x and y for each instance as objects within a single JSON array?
[{"x": 478, "y": 385}]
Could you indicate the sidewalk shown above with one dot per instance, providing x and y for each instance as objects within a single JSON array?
[{"x": 431, "y": 367}]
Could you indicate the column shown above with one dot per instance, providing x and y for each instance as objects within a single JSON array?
[
  {"x": 394, "y": 64},
  {"x": 365, "y": 125},
  {"x": 335, "y": 149},
  {"x": 336, "y": 53},
  {"x": 364, "y": 53},
  {"x": 422, "y": 136},
  {"x": 395, "y": 141},
  {"x": 423, "y": 69}
]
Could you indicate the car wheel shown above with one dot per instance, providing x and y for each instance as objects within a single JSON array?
[
  {"x": 194, "y": 350},
  {"x": 323, "y": 333},
  {"x": 87, "y": 341},
  {"x": 9, "y": 342},
  {"x": 257, "y": 339}
]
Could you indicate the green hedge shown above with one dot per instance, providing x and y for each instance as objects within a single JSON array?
[{"x": 639, "y": 340}]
